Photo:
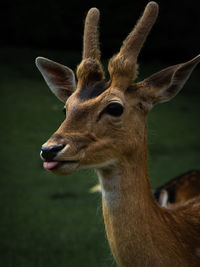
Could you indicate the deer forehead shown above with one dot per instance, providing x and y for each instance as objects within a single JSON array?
[
  {"x": 90, "y": 100},
  {"x": 84, "y": 113}
]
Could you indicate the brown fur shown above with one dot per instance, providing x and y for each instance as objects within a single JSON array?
[
  {"x": 139, "y": 231},
  {"x": 181, "y": 188},
  {"x": 89, "y": 72}
]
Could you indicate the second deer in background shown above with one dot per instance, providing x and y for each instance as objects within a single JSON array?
[{"x": 180, "y": 189}]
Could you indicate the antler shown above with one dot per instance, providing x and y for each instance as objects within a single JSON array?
[
  {"x": 90, "y": 69},
  {"x": 91, "y": 35},
  {"x": 124, "y": 64}
]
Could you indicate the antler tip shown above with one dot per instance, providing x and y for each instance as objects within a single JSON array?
[
  {"x": 153, "y": 6},
  {"x": 94, "y": 12},
  {"x": 153, "y": 3}
]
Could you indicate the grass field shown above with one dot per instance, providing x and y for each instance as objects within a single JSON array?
[{"x": 52, "y": 221}]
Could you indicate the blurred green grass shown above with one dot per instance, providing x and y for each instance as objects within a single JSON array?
[{"x": 48, "y": 220}]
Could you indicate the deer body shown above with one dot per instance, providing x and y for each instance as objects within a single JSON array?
[
  {"x": 140, "y": 232},
  {"x": 105, "y": 129},
  {"x": 180, "y": 189}
]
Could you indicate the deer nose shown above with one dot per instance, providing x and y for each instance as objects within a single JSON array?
[{"x": 48, "y": 153}]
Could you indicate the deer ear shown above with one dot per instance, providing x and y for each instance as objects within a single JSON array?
[
  {"x": 164, "y": 85},
  {"x": 59, "y": 78}
]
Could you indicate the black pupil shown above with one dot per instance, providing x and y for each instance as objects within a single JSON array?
[{"x": 114, "y": 109}]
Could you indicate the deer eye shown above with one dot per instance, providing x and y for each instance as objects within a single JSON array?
[{"x": 114, "y": 109}]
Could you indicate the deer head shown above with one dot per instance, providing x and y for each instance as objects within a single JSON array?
[{"x": 106, "y": 120}]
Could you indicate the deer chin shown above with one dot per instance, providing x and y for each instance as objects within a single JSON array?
[{"x": 61, "y": 167}]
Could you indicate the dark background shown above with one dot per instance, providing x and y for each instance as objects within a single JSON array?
[{"x": 59, "y": 25}]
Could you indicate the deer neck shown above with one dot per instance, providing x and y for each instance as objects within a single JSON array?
[{"x": 130, "y": 212}]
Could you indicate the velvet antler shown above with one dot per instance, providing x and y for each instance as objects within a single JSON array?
[
  {"x": 90, "y": 70},
  {"x": 123, "y": 66}
]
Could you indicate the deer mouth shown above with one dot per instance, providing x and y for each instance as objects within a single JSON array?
[{"x": 56, "y": 165}]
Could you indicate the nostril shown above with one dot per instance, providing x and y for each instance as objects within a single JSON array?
[
  {"x": 49, "y": 152},
  {"x": 54, "y": 148}
]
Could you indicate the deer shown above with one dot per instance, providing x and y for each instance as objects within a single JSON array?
[
  {"x": 105, "y": 129},
  {"x": 179, "y": 190}
]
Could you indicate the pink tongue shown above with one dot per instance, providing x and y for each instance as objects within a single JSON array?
[{"x": 50, "y": 165}]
